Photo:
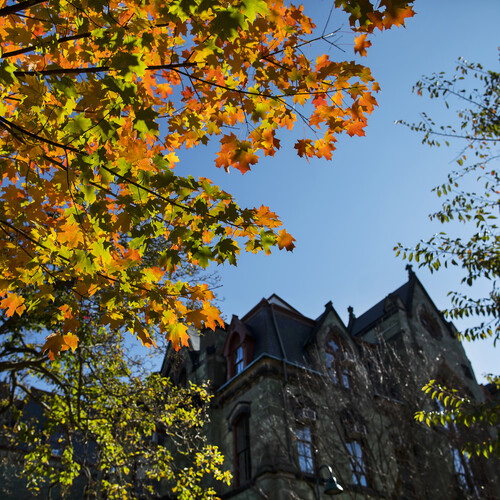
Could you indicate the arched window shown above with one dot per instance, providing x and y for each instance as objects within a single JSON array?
[
  {"x": 242, "y": 462},
  {"x": 337, "y": 362},
  {"x": 462, "y": 466},
  {"x": 235, "y": 356}
]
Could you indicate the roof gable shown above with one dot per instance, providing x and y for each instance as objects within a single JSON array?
[{"x": 276, "y": 300}]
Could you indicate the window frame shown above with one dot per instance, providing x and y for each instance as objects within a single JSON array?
[
  {"x": 358, "y": 462},
  {"x": 305, "y": 448}
]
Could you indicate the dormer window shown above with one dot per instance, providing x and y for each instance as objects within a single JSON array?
[{"x": 238, "y": 348}]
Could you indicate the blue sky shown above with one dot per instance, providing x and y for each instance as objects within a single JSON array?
[{"x": 347, "y": 214}]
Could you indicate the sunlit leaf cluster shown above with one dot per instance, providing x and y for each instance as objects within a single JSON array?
[
  {"x": 461, "y": 413},
  {"x": 109, "y": 427},
  {"x": 97, "y": 98}
]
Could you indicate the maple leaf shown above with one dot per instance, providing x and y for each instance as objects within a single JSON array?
[
  {"x": 285, "y": 240},
  {"x": 70, "y": 341},
  {"x": 264, "y": 217},
  {"x": 13, "y": 303},
  {"x": 196, "y": 317},
  {"x": 178, "y": 335},
  {"x": 355, "y": 128},
  {"x": 396, "y": 12},
  {"x": 366, "y": 16},
  {"x": 53, "y": 344},
  {"x": 304, "y": 147},
  {"x": 361, "y": 44},
  {"x": 70, "y": 235}
]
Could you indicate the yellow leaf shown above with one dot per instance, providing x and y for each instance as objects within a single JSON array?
[{"x": 70, "y": 341}]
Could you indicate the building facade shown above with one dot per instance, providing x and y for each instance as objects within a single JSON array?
[{"x": 292, "y": 394}]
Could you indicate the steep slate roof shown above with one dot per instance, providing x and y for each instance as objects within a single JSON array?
[
  {"x": 275, "y": 328},
  {"x": 378, "y": 310}
]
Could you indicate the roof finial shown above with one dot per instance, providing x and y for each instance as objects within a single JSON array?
[
  {"x": 409, "y": 268},
  {"x": 352, "y": 316}
]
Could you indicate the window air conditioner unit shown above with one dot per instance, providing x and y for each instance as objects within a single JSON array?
[
  {"x": 307, "y": 414},
  {"x": 348, "y": 357}
]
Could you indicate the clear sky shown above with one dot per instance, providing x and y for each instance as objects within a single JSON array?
[{"x": 347, "y": 214}]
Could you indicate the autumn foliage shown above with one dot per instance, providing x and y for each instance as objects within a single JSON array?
[{"x": 96, "y": 99}]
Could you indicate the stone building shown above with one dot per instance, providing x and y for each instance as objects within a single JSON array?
[{"x": 293, "y": 394}]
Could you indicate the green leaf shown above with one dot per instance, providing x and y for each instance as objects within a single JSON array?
[
  {"x": 145, "y": 122},
  {"x": 78, "y": 124},
  {"x": 252, "y": 8},
  {"x": 7, "y": 76},
  {"x": 128, "y": 65},
  {"x": 227, "y": 23},
  {"x": 204, "y": 255}
]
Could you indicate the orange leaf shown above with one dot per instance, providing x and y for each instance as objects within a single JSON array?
[
  {"x": 285, "y": 240},
  {"x": 355, "y": 128},
  {"x": 304, "y": 147},
  {"x": 212, "y": 316},
  {"x": 361, "y": 44},
  {"x": 143, "y": 334},
  {"x": 13, "y": 303},
  {"x": 70, "y": 342},
  {"x": 264, "y": 217},
  {"x": 70, "y": 235},
  {"x": 196, "y": 317}
]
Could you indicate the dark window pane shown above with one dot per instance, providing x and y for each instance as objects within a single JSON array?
[{"x": 242, "y": 446}]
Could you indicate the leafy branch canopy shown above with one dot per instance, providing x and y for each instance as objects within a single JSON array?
[
  {"x": 471, "y": 197},
  {"x": 96, "y": 99}
]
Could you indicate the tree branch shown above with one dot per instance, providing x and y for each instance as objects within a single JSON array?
[
  {"x": 18, "y": 7},
  {"x": 96, "y": 69}
]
